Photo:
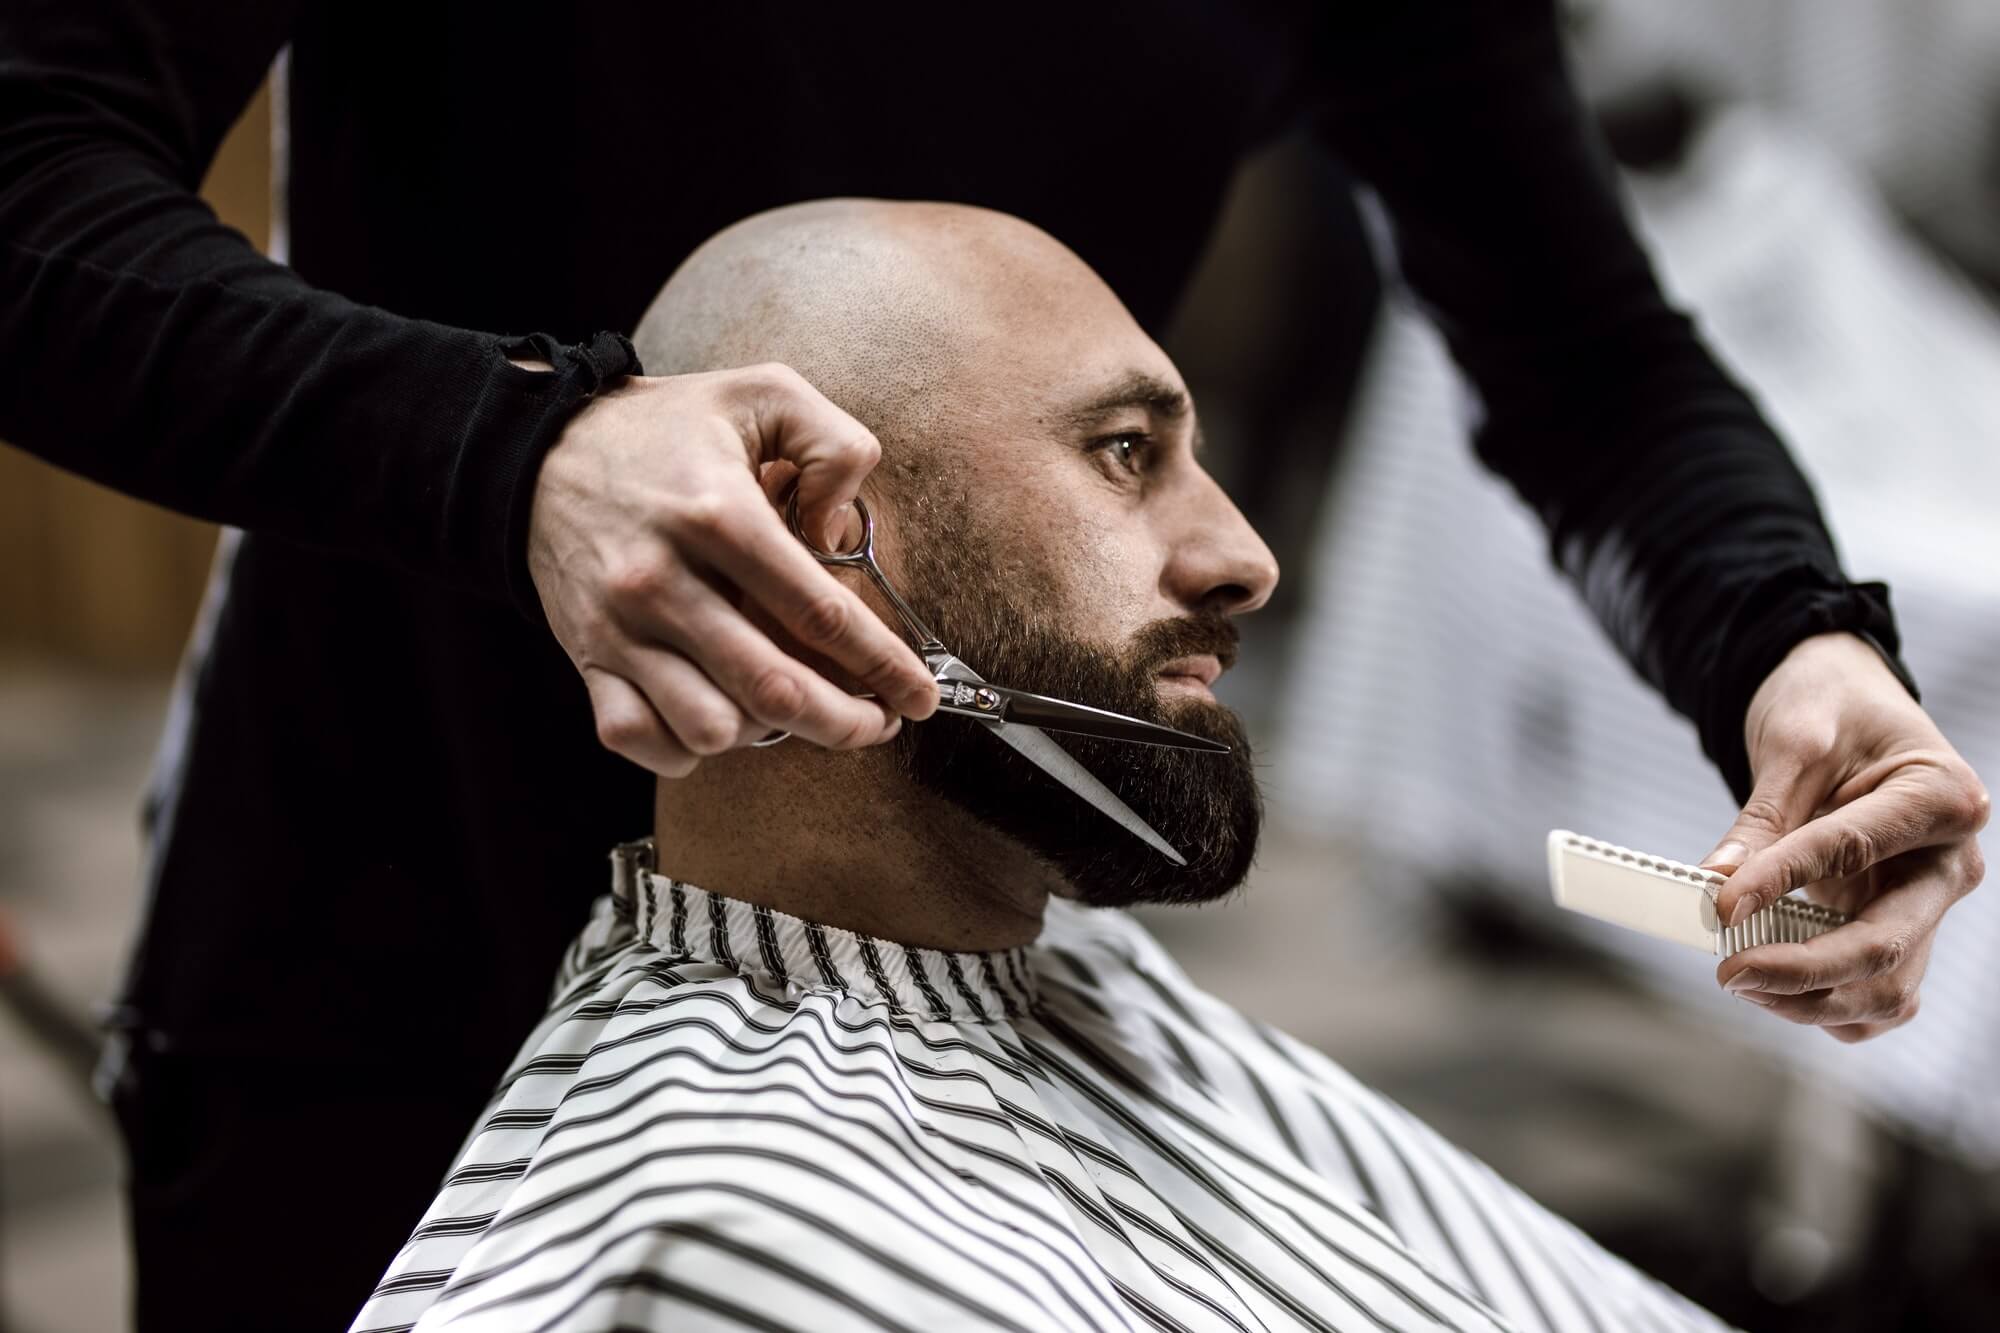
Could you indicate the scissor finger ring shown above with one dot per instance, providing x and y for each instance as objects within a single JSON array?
[{"x": 864, "y": 550}]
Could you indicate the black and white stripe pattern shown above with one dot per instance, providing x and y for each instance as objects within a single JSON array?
[{"x": 732, "y": 1118}]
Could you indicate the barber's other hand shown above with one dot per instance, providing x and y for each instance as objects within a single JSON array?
[
  {"x": 649, "y": 535},
  {"x": 1864, "y": 804}
]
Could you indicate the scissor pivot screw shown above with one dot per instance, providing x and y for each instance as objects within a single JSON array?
[{"x": 985, "y": 700}]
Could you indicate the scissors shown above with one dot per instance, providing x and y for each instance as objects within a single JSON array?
[{"x": 1017, "y": 717}]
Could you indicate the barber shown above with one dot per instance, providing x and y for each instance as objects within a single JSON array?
[{"x": 447, "y": 521}]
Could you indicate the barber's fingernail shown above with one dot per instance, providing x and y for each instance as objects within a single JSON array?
[
  {"x": 1754, "y": 997},
  {"x": 1729, "y": 855},
  {"x": 1744, "y": 910},
  {"x": 1748, "y": 979}
]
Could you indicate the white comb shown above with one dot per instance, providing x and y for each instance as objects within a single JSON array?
[{"x": 1668, "y": 900}]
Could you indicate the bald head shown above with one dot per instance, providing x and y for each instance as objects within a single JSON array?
[{"x": 895, "y": 311}]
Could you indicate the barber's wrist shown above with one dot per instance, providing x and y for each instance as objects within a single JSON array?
[
  {"x": 1855, "y": 647},
  {"x": 1790, "y": 608},
  {"x": 1890, "y": 662},
  {"x": 1836, "y": 655},
  {"x": 557, "y": 382}
]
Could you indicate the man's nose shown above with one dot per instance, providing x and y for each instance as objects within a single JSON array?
[{"x": 1215, "y": 559}]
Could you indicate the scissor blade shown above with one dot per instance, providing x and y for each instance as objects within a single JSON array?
[
  {"x": 1051, "y": 714},
  {"x": 1060, "y": 764},
  {"x": 1041, "y": 750}
]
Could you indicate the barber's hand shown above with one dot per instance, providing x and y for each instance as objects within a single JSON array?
[
  {"x": 1860, "y": 801},
  {"x": 649, "y": 538}
]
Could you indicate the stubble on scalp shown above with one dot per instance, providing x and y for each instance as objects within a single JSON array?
[{"x": 879, "y": 305}]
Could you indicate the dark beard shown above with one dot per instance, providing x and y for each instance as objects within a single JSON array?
[{"x": 1206, "y": 805}]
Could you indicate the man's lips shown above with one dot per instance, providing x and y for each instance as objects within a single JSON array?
[{"x": 1202, "y": 669}]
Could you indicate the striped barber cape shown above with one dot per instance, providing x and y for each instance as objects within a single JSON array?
[{"x": 731, "y": 1118}]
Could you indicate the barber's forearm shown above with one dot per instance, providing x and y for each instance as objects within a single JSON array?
[
  {"x": 303, "y": 416},
  {"x": 1721, "y": 623},
  {"x": 150, "y": 348},
  {"x": 1697, "y": 543},
  {"x": 1669, "y": 500}
]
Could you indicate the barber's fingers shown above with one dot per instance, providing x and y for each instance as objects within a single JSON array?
[
  {"x": 1864, "y": 978},
  {"x": 1841, "y": 1011},
  {"x": 628, "y": 726},
  {"x": 774, "y": 689},
  {"x": 1785, "y": 796},
  {"x": 1858, "y": 1010},
  {"x": 753, "y": 550},
  {"x": 777, "y": 477},
  {"x": 702, "y": 716},
  {"x": 833, "y": 452},
  {"x": 1912, "y": 893},
  {"x": 1909, "y": 809},
  {"x": 652, "y": 498}
]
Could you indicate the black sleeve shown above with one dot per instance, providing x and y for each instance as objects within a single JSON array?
[
  {"x": 147, "y": 346},
  {"x": 1669, "y": 500}
]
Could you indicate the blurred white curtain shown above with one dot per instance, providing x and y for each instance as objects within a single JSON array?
[{"x": 1907, "y": 91}]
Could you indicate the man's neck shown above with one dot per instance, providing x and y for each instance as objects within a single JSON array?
[{"x": 846, "y": 840}]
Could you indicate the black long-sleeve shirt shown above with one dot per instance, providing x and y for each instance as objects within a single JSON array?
[{"x": 390, "y": 807}]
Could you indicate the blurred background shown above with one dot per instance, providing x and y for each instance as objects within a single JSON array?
[{"x": 1819, "y": 181}]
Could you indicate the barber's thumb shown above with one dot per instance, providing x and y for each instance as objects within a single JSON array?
[
  {"x": 1760, "y": 823},
  {"x": 1729, "y": 854},
  {"x": 838, "y": 521}
]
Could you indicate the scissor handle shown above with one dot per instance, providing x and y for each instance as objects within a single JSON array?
[
  {"x": 863, "y": 554},
  {"x": 862, "y": 557}
]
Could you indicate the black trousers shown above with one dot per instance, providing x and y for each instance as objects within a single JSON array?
[{"x": 272, "y": 1195}]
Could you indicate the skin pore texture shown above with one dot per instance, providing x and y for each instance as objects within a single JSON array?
[{"x": 1040, "y": 505}]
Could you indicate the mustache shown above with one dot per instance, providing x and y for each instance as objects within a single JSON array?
[{"x": 1205, "y": 633}]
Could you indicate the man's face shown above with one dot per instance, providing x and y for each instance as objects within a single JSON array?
[{"x": 1057, "y": 531}]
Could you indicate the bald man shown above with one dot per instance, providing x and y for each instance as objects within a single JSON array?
[{"x": 860, "y": 1040}]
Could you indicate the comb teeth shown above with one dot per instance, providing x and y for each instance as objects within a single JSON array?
[
  {"x": 1786, "y": 921},
  {"x": 1668, "y": 899}
]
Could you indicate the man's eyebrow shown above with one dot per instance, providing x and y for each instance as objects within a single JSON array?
[{"x": 1137, "y": 389}]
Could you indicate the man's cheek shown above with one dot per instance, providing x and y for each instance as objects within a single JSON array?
[
  {"x": 1100, "y": 555},
  {"x": 1103, "y": 591}
]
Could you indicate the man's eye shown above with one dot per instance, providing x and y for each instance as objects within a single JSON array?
[{"x": 1127, "y": 449}]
